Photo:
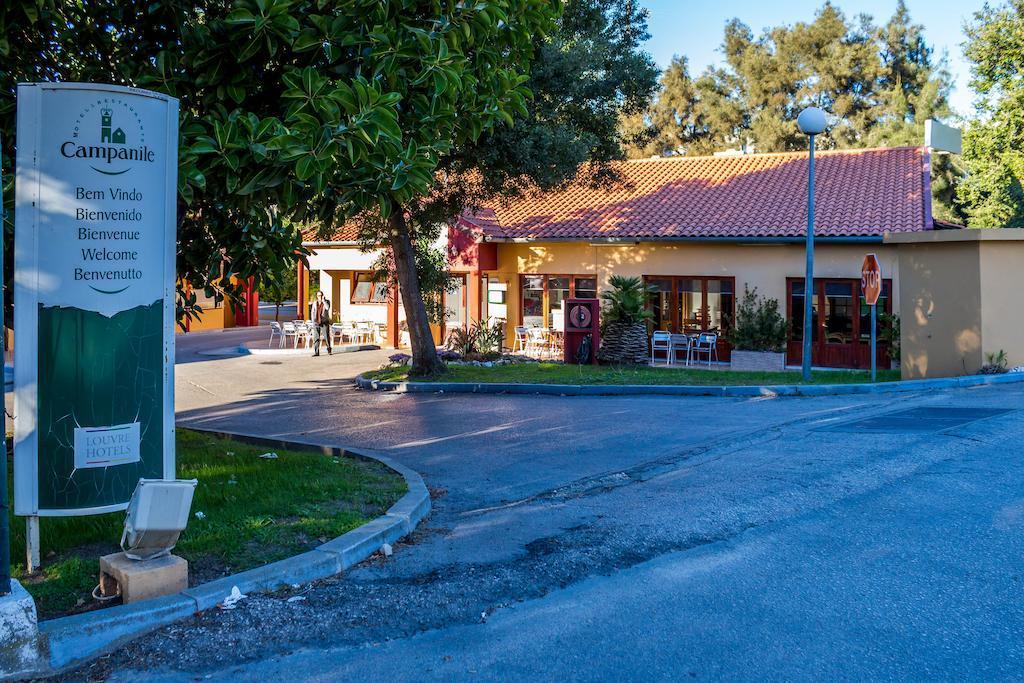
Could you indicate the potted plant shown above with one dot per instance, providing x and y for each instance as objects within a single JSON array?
[
  {"x": 889, "y": 333},
  {"x": 759, "y": 335},
  {"x": 624, "y": 321}
]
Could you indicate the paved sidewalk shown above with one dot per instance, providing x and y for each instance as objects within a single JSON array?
[{"x": 658, "y": 537}]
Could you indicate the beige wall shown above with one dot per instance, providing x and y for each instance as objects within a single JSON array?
[
  {"x": 1002, "y": 287},
  {"x": 940, "y": 310},
  {"x": 960, "y": 299},
  {"x": 765, "y": 266}
]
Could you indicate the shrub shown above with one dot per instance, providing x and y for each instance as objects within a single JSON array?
[
  {"x": 995, "y": 363},
  {"x": 759, "y": 325},
  {"x": 889, "y": 332},
  {"x": 480, "y": 339}
]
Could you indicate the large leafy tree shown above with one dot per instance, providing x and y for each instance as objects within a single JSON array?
[
  {"x": 587, "y": 72},
  {"x": 992, "y": 194},
  {"x": 296, "y": 111},
  {"x": 223, "y": 231}
]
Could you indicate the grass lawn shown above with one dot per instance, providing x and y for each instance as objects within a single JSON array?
[
  {"x": 557, "y": 373},
  {"x": 255, "y": 511}
]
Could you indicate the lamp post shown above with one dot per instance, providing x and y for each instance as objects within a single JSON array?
[
  {"x": 811, "y": 122},
  {"x": 5, "y": 497}
]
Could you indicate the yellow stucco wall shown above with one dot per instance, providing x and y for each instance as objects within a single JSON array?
[
  {"x": 940, "y": 310},
  {"x": 1002, "y": 298},
  {"x": 960, "y": 299},
  {"x": 765, "y": 266}
]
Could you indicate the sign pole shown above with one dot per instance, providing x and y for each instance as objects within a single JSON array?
[
  {"x": 874, "y": 340},
  {"x": 5, "y": 531},
  {"x": 871, "y": 288}
]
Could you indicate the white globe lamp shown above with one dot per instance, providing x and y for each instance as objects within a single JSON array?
[{"x": 811, "y": 121}]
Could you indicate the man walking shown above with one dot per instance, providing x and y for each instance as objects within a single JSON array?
[{"x": 320, "y": 314}]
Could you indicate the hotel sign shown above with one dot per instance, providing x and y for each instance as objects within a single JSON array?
[{"x": 95, "y": 206}]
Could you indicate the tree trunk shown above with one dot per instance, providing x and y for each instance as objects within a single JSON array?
[{"x": 424, "y": 352}]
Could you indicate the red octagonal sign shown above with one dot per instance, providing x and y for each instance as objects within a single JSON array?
[{"x": 871, "y": 279}]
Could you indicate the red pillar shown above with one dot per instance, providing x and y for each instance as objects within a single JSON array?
[
  {"x": 251, "y": 305},
  {"x": 393, "y": 334},
  {"x": 302, "y": 290}
]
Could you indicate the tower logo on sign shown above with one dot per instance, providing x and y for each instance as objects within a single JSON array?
[{"x": 109, "y": 152}]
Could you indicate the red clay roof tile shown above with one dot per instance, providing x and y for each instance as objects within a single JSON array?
[{"x": 857, "y": 193}]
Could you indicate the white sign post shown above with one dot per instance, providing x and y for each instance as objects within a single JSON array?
[{"x": 94, "y": 274}]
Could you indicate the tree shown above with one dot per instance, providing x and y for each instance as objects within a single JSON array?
[
  {"x": 879, "y": 84},
  {"x": 301, "y": 111},
  {"x": 586, "y": 73},
  {"x": 225, "y": 230},
  {"x": 992, "y": 194}
]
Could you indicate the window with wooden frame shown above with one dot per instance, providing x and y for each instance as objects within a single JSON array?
[
  {"x": 542, "y": 295},
  {"x": 367, "y": 291},
  {"x": 692, "y": 303}
]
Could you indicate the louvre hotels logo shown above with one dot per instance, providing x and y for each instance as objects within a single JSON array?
[{"x": 110, "y": 131}]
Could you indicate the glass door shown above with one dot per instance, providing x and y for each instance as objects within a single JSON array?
[{"x": 456, "y": 308}]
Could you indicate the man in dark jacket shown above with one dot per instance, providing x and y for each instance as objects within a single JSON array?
[{"x": 320, "y": 314}]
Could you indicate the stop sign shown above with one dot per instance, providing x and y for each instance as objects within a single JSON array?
[{"x": 871, "y": 279}]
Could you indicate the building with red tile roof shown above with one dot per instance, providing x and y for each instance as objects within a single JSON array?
[
  {"x": 699, "y": 230},
  {"x": 859, "y": 193}
]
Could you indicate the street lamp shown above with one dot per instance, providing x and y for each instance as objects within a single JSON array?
[{"x": 811, "y": 122}]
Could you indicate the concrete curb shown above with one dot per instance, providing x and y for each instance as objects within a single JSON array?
[
  {"x": 70, "y": 641},
  {"x": 236, "y": 351},
  {"x": 685, "y": 390}
]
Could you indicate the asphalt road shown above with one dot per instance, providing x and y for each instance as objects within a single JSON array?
[{"x": 613, "y": 538}]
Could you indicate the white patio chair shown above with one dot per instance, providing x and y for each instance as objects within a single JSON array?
[
  {"x": 364, "y": 333},
  {"x": 681, "y": 342},
  {"x": 707, "y": 342},
  {"x": 521, "y": 340},
  {"x": 288, "y": 330},
  {"x": 302, "y": 333},
  {"x": 661, "y": 341},
  {"x": 337, "y": 334},
  {"x": 537, "y": 341},
  {"x": 275, "y": 329}
]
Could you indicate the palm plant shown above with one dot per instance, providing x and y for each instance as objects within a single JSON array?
[{"x": 625, "y": 312}]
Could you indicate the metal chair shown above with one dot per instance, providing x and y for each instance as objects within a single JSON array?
[
  {"x": 680, "y": 342},
  {"x": 275, "y": 329},
  {"x": 537, "y": 341},
  {"x": 337, "y": 334},
  {"x": 521, "y": 340},
  {"x": 707, "y": 342},
  {"x": 661, "y": 341},
  {"x": 289, "y": 330}
]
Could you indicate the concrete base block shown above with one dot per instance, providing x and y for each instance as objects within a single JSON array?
[
  {"x": 19, "y": 634},
  {"x": 142, "y": 580}
]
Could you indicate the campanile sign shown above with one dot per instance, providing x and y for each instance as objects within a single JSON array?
[{"x": 93, "y": 295}]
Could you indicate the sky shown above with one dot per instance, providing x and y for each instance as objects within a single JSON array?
[{"x": 694, "y": 29}]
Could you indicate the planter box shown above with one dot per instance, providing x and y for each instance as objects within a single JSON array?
[{"x": 758, "y": 361}]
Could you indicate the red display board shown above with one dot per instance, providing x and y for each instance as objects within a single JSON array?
[{"x": 582, "y": 320}]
